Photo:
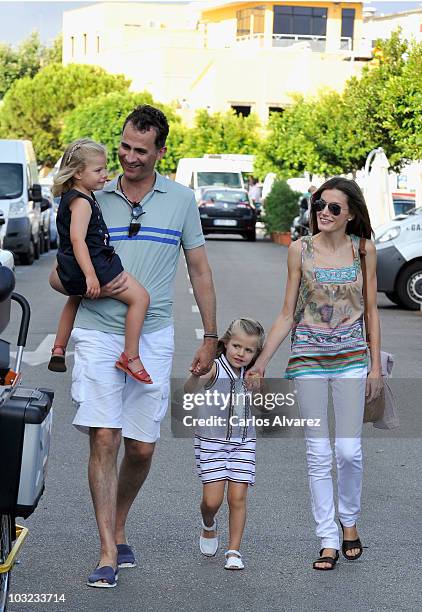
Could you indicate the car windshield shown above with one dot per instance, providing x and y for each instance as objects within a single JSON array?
[
  {"x": 223, "y": 195},
  {"x": 228, "y": 179},
  {"x": 11, "y": 181}
]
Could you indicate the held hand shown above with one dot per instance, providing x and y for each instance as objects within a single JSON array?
[
  {"x": 253, "y": 377},
  {"x": 92, "y": 287},
  {"x": 116, "y": 286},
  {"x": 374, "y": 385},
  {"x": 204, "y": 358}
]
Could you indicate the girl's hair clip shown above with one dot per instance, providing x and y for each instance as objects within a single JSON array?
[{"x": 72, "y": 151}]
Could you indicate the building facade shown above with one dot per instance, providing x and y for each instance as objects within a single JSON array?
[
  {"x": 382, "y": 26},
  {"x": 221, "y": 55}
]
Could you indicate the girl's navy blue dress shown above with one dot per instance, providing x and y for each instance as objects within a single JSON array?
[{"x": 106, "y": 262}]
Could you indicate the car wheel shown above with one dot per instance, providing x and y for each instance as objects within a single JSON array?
[
  {"x": 409, "y": 286},
  {"x": 47, "y": 243},
  {"x": 250, "y": 236},
  {"x": 53, "y": 244},
  {"x": 28, "y": 257},
  {"x": 393, "y": 297}
]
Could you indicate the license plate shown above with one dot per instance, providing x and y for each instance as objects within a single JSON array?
[{"x": 226, "y": 222}]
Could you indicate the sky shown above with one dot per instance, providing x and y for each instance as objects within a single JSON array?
[{"x": 18, "y": 19}]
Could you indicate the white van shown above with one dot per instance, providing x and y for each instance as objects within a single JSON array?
[
  {"x": 197, "y": 172},
  {"x": 399, "y": 259},
  {"x": 20, "y": 199}
]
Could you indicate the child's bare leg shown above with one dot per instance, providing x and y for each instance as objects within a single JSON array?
[
  {"x": 66, "y": 321},
  {"x": 236, "y": 498},
  {"x": 137, "y": 300},
  {"x": 212, "y": 498},
  {"x": 67, "y": 318}
]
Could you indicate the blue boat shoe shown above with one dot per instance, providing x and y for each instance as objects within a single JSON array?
[
  {"x": 106, "y": 573},
  {"x": 125, "y": 556}
]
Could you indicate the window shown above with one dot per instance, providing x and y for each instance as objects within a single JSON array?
[
  {"x": 347, "y": 24},
  {"x": 300, "y": 20},
  {"x": 11, "y": 181},
  {"x": 245, "y": 111},
  {"x": 72, "y": 46},
  {"x": 250, "y": 21},
  {"x": 275, "y": 109},
  {"x": 228, "y": 179}
]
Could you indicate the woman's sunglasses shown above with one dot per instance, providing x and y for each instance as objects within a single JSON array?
[
  {"x": 135, "y": 225},
  {"x": 319, "y": 205}
]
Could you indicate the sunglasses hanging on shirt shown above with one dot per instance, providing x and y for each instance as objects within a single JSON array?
[{"x": 135, "y": 225}]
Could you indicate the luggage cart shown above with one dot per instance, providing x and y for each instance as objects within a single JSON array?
[{"x": 25, "y": 428}]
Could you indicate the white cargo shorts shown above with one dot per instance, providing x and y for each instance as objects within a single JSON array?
[{"x": 106, "y": 397}]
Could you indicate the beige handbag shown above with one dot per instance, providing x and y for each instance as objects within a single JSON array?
[{"x": 382, "y": 410}]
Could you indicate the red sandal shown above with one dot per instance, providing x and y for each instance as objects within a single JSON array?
[
  {"x": 141, "y": 375},
  {"x": 57, "y": 363}
]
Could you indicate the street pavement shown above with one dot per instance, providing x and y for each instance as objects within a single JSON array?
[{"x": 279, "y": 543}]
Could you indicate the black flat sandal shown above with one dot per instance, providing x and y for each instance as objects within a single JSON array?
[
  {"x": 349, "y": 545},
  {"x": 331, "y": 560}
]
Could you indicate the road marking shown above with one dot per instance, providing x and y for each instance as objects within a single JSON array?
[
  {"x": 41, "y": 354},
  {"x": 195, "y": 308},
  {"x": 199, "y": 333}
]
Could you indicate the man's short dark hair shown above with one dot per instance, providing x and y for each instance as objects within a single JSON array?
[{"x": 145, "y": 117}]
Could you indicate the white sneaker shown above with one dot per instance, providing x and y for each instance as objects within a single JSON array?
[
  {"x": 233, "y": 563},
  {"x": 209, "y": 546}
]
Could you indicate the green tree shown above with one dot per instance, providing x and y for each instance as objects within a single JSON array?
[
  {"x": 102, "y": 119},
  {"x": 333, "y": 133},
  {"x": 281, "y": 206},
  {"x": 371, "y": 98},
  {"x": 401, "y": 108},
  {"x": 26, "y": 60},
  {"x": 52, "y": 54},
  {"x": 36, "y": 108},
  {"x": 222, "y": 133}
]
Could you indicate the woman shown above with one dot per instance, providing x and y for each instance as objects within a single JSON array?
[{"x": 323, "y": 307}]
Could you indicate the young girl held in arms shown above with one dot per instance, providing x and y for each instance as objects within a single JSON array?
[
  {"x": 85, "y": 260},
  {"x": 227, "y": 453}
]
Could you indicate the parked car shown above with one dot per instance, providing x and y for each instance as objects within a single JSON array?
[
  {"x": 399, "y": 259},
  {"x": 20, "y": 199},
  {"x": 403, "y": 202},
  {"x": 6, "y": 259},
  {"x": 195, "y": 172},
  {"x": 227, "y": 211}
]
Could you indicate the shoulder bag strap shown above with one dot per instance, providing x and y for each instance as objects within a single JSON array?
[{"x": 362, "y": 253}]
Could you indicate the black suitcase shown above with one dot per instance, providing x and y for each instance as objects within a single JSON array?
[{"x": 25, "y": 433}]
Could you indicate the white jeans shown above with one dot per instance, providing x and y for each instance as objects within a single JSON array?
[{"x": 348, "y": 391}]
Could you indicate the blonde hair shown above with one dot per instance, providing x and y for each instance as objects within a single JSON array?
[
  {"x": 250, "y": 327},
  {"x": 75, "y": 159}
]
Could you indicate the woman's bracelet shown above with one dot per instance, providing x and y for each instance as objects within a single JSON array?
[{"x": 215, "y": 336}]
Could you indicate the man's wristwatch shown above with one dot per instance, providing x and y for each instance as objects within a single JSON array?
[{"x": 211, "y": 335}]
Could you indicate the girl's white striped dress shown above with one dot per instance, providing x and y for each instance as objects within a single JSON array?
[{"x": 233, "y": 457}]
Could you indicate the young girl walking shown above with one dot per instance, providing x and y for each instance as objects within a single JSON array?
[
  {"x": 85, "y": 260},
  {"x": 323, "y": 308},
  {"x": 227, "y": 454}
]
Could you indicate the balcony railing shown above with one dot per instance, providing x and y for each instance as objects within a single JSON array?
[{"x": 315, "y": 43}]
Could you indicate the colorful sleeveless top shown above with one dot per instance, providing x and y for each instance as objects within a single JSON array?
[{"x": 327, "y": 334}]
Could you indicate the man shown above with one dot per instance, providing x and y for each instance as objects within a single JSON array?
[{"x": 149, "y": 218}]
